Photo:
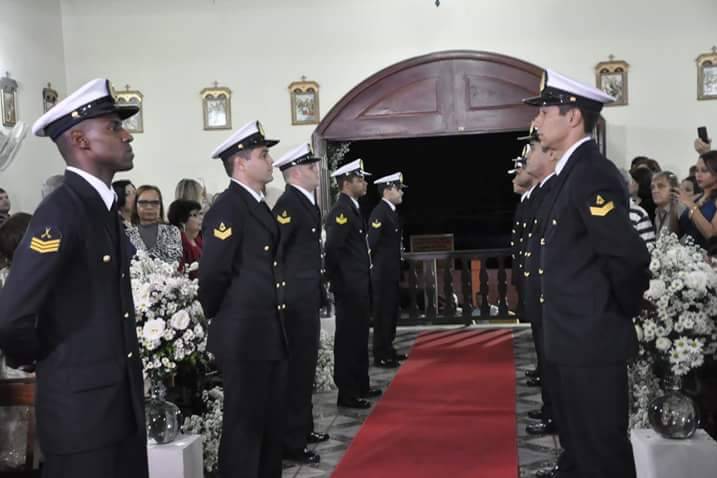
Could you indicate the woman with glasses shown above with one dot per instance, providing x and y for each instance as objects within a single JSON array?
[{"x": 149, "y": 232}]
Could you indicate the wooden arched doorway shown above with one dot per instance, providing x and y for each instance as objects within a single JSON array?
[{"x": 447, "y": 93}]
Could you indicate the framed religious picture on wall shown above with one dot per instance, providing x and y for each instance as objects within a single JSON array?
[
  {"x": 8, "y": 101},
  {"x": 304, "y": 102},
  {"x": 611, "y": 77},
  {"x": 133, "y": 124},
  {"x": 217, "y": 107},
  {"x": 49, "y": 98},
  {"x": 707, "y": 75}
]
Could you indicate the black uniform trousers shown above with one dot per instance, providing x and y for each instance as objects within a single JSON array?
[
  {"x": 254, "y": 421},
  {"x": 351, "y": 341},
  {"x": 591, "y": 410},
  {"x": 542, "y": 367},
  {"x": 303, "y": 331},
  {"x": 127, "y": 459},
  {"x": 386, "y": 302}
]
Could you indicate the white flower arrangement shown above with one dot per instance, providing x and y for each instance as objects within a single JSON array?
[
  {"x": 324, "y": 374},
  {"x": 170, "y": 320},
  {"x": 209, "y": 426},
  {"x": 680, "y": 327}
]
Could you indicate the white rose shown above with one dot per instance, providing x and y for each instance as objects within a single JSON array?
[
  {"x": 638, "y": 331},
  {"x": 663, "y": 344},
  {"x": 153, "y": 330},
  {"x": 180, "y": 320},
  {"x": 656, "y": 290}
]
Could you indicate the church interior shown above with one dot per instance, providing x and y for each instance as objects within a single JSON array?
[{"x": 433, "y": 90}]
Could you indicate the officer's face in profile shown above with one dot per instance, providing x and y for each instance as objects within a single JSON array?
[
  {"x": 552, "y": 126},
  {"x": 310, "y": 175},
  {"x": 358, "y": 186},
  {"x": 259, "y": 168},
  {"x": 109, "y": 142},
  {"x": 394, "y": 194},
  {"x": 522, "y": 181},
  {"x": 539, "y": 161}
]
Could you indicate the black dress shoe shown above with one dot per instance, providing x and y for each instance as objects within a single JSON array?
[
  {"x": 353, "y": 402},
  {"x": 371, "y": 393},
  {"x": 315, "y": 437},
  {"x": 304, "y": 455},
  {"x": 543, "y": 427},
  {"x": 547, "y": 473},
  {"x": 386, "y": 363},
  {"x": 400, "y": 357},
  {"x": 532, "y": 373},
  {"x": 534, "y": 382},
  {"x": 536, "y": 414}
]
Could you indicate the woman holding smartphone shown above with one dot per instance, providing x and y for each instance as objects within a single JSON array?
[{"x": 699, "y": 220}]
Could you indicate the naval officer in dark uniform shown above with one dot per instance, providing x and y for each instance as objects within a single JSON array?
[
  {"x": 348, "y": 266},
  {"x": 595, "y": 270},
  {"x": 299, "y": 219},
  {"x": 384, "y": 240},
  {"x": 241, "y": 289},
  {"x": 540, "y": 165},
  {"x": 67, "y": 305}
]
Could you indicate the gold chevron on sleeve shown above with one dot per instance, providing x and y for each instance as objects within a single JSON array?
[
  {"x": 341, "y": 219},
  {"x": 602, "y": 210},
  {"x": 376, "y": 224},
  {"x": 44, "y": 247},
  {"x": 222, "y": 232},
  {"x": 283, "y": 218}
]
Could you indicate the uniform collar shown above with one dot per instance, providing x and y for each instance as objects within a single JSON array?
[
  {"x": 526, "y": 194},
  {"x": 306, "y": 193},
  {"x": 356, "y": 203},
  {"x": 258, "y": 196},
  {"x": 106, "y": 193},
  {"x": 566, "y": 156},
  {"x": 390, "y": 204},
  {"x": 546, "y": 179}
]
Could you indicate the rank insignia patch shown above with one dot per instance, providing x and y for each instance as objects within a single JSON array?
[
  {"x": 47, "y": 242},
  {"x": 284, "y": 218},
  {"x": 222, "y": 232},
  {"x": 376, "y": 224},
  {"x": 341, "y": 219},
  {"x": 601, "y": 208}
]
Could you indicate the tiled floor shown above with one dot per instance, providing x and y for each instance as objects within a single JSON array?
[{"x": 343, "y": 424}]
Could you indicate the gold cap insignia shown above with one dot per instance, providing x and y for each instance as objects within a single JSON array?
[
  {"x": 376, "y": 224},
  {"x": 283, "y": 218},
  {"x": 260, "y": 128},
  {"x": 543, "y": 80},
  {"x": 599, "y": 200},
  {"x": 341, "y": 219},
  {"x": 46, "y": 243},
  {"x": 222, "y": 232}
]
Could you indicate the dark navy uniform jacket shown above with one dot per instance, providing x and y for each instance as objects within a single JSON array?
[
  {"x": 384, "y": 239},
  {"x": 67, "y": 304},
  {"x": 241, "y": 287},
  {"x": 347, "y": 258},
  {"x": 595, "y": 266},
  {"x": 300, "y": 253}
]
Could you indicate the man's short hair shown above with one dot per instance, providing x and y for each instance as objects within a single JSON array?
[
  {"x": 590, "y": 118},
  {"x": 229, "y": 162}
]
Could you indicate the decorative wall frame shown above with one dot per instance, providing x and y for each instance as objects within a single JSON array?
[
  {"x": 133, "y": 124},
  {"x": 611, "y": 77},
  {"x": 49, "y": 97},
  {"x": 217, "y": 107},
  {"x": 304, "y": 102},
  {"x": 8, "y": 100},
  {"x": 707, "y": 75}
]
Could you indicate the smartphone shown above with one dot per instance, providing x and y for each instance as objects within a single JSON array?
[{"x": 702, "y": 134}]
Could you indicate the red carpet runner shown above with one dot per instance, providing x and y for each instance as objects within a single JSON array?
[{"x": 449, "y": 413}]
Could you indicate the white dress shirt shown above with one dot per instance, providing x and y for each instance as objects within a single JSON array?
[
  {"x": 258, "y": 196},
  {"x": 566, "y": 155},
  {"x": 309, "y": 196},
  {"x": 390, "y": 204}
]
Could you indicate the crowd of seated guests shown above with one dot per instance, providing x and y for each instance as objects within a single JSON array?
[{"x": 686, "y": 208}]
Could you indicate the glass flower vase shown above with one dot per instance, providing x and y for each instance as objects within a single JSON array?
[
  {"x": 673, "y": 414},
  {"x": 162, "y": 417}
]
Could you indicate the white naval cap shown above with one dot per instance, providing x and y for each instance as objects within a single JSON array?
[
  {"x": 302, "y": 154},
  {"x": 249, "y": 136},
  {"x": 395, "y": 179},
  {"x": 91, "y": 100},
  {"x": 557, "y": 89},
  {"x": 354, "y": 168}
]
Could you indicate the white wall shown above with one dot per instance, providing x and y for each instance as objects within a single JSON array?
[
  {"x": 31, "y": 49},
  {"x": 171, "y": 49}
]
